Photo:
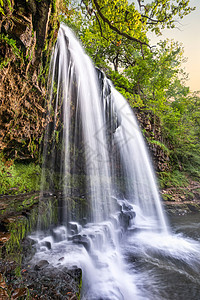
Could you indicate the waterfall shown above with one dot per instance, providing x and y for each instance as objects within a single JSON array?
[
  {"x": 98, "y": 133},
  {"x": 75, "y": 97},
  {"x": 108, "y": 203}
]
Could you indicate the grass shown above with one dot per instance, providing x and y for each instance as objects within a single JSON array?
[{"x": 16, "y": 178}]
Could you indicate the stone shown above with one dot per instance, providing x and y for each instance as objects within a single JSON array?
[
  {"x": 41, "y": 265},
  {"x": 46, "y": 244},
  {"x": 82, "y": 240}
]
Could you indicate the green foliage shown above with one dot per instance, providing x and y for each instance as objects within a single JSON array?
[
  {"x": 181, "y": 128},
  {"x": 4, "y": 63},
  {"x": 132, "y": 20},
  {"x": 12, "y": 44},
  {"x": 18, "y": 231},
  {"x": 163, "y": 13},
  {"x": 18, "y": 178},
  {"x": 4, "y": 4},
  {"x": 1, "y": 8},
  {"x": 160, "y": 144},
  {"x": 175, "y": 178},
  {"x": 19, "y": 226}
]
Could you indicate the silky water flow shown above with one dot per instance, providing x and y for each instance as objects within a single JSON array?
[{"x": 107, "y": 218}]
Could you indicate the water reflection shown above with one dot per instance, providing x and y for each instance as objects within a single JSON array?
[{"x": 189, "y": 225}]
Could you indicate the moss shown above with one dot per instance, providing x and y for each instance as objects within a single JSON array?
[
  {"x": 80, "y": 288},
  {"x": 194, "y": 207},
  {"x": 2, "y": 8},
  {"x": 18, "y": 178},
  {"x": 167, "y": 197},
  {"x": 5, "y": 4},
  {"x": 48, "y": 213},
  {"x": 21, "y": 217},
  {"x": 5, "y": 40},
  {"x": 4, "y": 63},
  {"x": 17, "y": 228},
  {"x": 54, "y": 6},
  {"x": 12, "y": 43},
  {"x": 18, "y": 231}
]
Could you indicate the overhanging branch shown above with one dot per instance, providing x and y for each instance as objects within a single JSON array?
[{"x": 116, "y": 29}]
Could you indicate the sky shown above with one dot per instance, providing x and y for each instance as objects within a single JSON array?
[{"x": 188, "y": 33}]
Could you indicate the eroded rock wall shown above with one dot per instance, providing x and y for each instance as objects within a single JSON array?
[
  {"x": 28, "y": 31},
  {"x": 152, "y": 128}
]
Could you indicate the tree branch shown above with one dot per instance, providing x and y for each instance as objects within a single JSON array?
[
  {"x": 99, "y": 23},
  {"x": 116, "y": 29}
]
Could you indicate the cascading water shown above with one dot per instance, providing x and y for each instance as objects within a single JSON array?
[{"x": 110, "y": 218}]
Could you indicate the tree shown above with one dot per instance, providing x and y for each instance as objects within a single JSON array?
[{"x": 132, "y": 19}]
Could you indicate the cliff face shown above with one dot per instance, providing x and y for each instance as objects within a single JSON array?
[
  {"x": 28, "y": 30},
  {"x": 153, "y": 133}
]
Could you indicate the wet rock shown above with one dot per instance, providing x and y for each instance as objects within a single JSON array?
[
  {"x": 74, "y": 227},
  {"x": 84, "y": 221},
  {"x": 126, "y": 215},
  {"x": 193, "y": 207},
  {"x": 32, "y": 28},
  {"x": 61, "y": 259},
  {"x": 7, "y": 266},
  {"x": 41, "y": 265},
  {"x": 55, "y": 283},
  {"x": 50, "y": 283},
  {"x": 59, "y": 234},
  {"x": 82, "y": 240},
  {"x": 125, "y": 218},
  {"x": 46, "y": 244},
  {"x": 47, "y": 194}
]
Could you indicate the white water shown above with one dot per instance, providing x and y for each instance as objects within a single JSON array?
[
  {"x": 115, "y": 239},
  {"x": 138, "y": 265},
  {"x": 78, "y": 96},
  {"x": 141, "y": 184}
]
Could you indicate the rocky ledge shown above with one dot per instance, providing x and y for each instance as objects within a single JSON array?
[
  {"x": 182, "y": 200},
  {"x": 39, "y": 282},
  {"x": 18, "y": 278}
]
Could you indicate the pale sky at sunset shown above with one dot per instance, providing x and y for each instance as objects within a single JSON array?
[{"x": 188, "y": 33}]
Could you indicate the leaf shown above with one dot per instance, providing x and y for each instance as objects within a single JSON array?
[
  {"x": 19, "y": 292},
  {"x": 3, "y": 287}
]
